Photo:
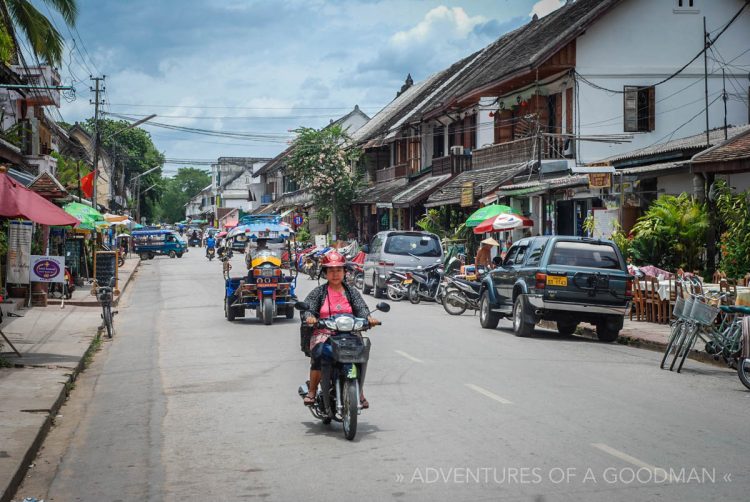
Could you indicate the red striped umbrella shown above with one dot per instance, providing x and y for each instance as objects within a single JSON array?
[{"x": 501, "y": 222}]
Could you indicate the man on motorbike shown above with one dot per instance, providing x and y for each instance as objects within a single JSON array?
[
  {"x": 210, "y": 244},
  {"x": 333, "y": 297}
]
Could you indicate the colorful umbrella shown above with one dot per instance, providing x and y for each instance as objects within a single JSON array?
[
  {"x": 86, "y": 214},
  {"x": 17, "y": 201},
  {"x": 485, "y": 212},
  {"x": 505, "y": 221}
]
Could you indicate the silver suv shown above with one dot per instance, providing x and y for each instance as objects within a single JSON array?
[{"x": 401, "y": 250}]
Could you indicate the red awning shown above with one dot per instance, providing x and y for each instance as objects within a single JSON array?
[{"x": 17, "y": 201}]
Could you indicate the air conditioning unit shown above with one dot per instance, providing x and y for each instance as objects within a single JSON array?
[
  {"x": 569, "y": 148},
  {"x": 457, "y": 150}
]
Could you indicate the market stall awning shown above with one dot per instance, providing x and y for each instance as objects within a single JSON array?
[
  {"x": 17, "y": 201},
  {"x": 419, "y": 190}
]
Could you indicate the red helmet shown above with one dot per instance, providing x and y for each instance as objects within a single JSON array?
[{"x": 333, "y": 259}]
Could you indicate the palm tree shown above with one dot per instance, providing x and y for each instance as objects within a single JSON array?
[{"x": 46, "y": 42}]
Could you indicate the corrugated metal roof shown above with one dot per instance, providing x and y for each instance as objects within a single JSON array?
[
  {"x": 485, "y": 181},
  {"x": 654, "y": 169},
  {"x": 381, "y": 192},
  {"x": 418, "y": 190},
  {"x": 544, "y": 185}
]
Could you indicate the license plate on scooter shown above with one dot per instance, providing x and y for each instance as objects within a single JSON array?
[{"x": 407, "y": 281}]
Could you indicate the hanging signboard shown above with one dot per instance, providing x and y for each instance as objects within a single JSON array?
[
  {"x": 47, "y": 269},
  {"x": 19, "y": 251},
  {"x": 600, "y": 180},
  {"x": 467, "y": 194},
  {"x": 384, "y": 205}
]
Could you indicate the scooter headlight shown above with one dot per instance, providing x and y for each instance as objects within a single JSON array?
[
  {"x": 330, "y": 323},
  {"x": 345, "y": 324},
  {"x": 359, "y": 325}
]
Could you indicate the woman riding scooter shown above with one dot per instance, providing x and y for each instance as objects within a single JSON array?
[{"x": 333, "y": 297}]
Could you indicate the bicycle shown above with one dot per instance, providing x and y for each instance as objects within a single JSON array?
[{"x": 105, "y": 296}]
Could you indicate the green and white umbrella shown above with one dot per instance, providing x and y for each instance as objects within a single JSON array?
[{"x": 485, "y": 212}]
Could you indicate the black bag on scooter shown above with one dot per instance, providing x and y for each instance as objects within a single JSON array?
[{"x": 305, "y": 335}]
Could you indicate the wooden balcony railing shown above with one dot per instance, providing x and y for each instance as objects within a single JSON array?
[
  {"x": 518, "y": 151},
  {"x": 391, "y": 173},
  {"x": 452, "y": 164}
]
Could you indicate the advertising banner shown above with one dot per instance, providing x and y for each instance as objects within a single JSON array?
[
  {"x": 47, "y": 268},
  {"x": 19, "y": 251}
]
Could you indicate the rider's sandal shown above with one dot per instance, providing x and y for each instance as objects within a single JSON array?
[
  {"x": 309, "y": 400},
  {"x": 364, "y": 403}
]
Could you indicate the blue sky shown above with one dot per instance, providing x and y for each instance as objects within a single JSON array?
[{"x": 267, "y": 66}]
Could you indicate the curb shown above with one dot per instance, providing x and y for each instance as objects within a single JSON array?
[
  {"x": 28, "y": 458},
  {"x": 659, "y": 347}
]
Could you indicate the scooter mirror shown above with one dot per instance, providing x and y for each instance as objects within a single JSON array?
[
  {"x": 383, "y": 307},
  {"x": 302, "y": 306}
]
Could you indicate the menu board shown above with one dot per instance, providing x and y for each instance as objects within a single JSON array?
[
  {"x": 105, "y": 267},
  {"x": 605, "y": 222}
]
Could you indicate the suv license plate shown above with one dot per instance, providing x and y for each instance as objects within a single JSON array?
[{"x": 557, "y": 280}]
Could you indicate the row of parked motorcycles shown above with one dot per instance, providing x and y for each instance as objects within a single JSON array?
[
  {"x": 456, "y": 294},
  {"x": 308, "y": 262}
]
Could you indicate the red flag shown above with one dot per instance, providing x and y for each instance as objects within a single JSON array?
[{"x": 87, "y": 184}]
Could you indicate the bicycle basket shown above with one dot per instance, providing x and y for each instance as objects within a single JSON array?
[
  {"x": 687, "y": 308},
  {"x": 679, "y": 303},
  {"x": 350, "y": 349},
  {"x": 703, "y": 313}
]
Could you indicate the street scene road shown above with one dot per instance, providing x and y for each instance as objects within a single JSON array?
[{"x": 183, "y": 405}]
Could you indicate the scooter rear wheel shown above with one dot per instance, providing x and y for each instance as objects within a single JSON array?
[{"x": 454, "y": 302}]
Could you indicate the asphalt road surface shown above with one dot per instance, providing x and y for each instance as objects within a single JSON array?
[{"x": 184, "y": 405}]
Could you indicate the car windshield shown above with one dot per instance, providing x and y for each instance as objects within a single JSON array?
[
  {"x": 585, "y": 254},
  {"x": 413, "y": 244}
]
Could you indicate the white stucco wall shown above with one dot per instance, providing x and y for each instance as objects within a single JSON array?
[
  {"x": 641, "y": 42},
  {"x": 675, "y": 184}
]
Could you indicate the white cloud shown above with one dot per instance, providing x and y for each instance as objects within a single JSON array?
[
  {"x": 441, "y": 23},
  {"x": 544, "y": 7}
]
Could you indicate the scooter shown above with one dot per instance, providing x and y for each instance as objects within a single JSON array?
[
  {"x": 426, "y": 283},
  {"x": 460, "y": 295},
  {"x": 397, "y": 285}
]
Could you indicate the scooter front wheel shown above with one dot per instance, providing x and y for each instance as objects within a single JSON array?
[{"x": 351, "y": 409}]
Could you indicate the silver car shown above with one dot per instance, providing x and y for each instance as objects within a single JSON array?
[{"x": 398, "y": 249}]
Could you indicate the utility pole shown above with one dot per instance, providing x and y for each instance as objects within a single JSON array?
[
  {"x": 706, "y": 45},
  {"x": 724, "y": 97},
  {"x": 96, "y": 90}
]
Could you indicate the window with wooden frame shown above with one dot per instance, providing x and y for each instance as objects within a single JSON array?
[
  {"x": 639, "y": 108},
  {"x": 414, "y": 159},
  {"x": 438, "y": 142}
]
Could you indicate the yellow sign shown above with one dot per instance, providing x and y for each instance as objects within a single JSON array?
[
  {"x": 600, "y": 180},
  {"x": 467, "y": 194}
]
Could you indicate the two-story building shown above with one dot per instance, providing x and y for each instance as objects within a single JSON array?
[{"x": 592, "y": 80}]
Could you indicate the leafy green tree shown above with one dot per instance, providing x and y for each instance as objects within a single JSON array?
[
  {"x": 46, "y": 42},
  {"x": 671, "y": 234},
  {"x": 69, "y": 172},
  {"x": 177, "y": 192},
  {"x": 133, "y": 153},
  {"x": 321, "y": 162},
  {"x": 734, "y": 212}
]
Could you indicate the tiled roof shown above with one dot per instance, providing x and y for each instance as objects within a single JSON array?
[
  {"x": 689, "y": 143},
  {"x": 543, "y": 185},
  {"x": 735, "y": 148},
  {"x": 381, "y": 192},
  {"x": 526, "y": 47},
  {"x": 419, "y": 190},
  {"x": 485, "y": 181}
]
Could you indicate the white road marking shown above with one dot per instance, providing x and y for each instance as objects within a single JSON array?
[
  {"x": 411, "y": 358},
  {"x": 627, "y": 458},
  {"x": 487, "y": 393}
]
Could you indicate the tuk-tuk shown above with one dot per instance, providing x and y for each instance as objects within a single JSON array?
[
  {"x": 149, "y": 243},
  {"x": 268, "y": 287}
]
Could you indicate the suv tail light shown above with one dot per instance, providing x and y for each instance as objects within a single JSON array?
[
  {"x": 629, "y": 288},
  {"x": 541, "y": 280}
]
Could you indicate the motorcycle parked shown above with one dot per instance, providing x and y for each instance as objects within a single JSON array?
[
  {"x": 355, "y": 275},
  {"x": 397, "y": 285},
  {"x": 460, "y": 295},
  {"x": 337, "y": 397},
  {"x": 427, "y": 283}
]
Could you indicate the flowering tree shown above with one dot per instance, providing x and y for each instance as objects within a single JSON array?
[{"x": 321, "y": 161}]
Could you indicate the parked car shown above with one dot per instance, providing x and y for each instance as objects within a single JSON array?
[
  {"x": 559, "y": 278},
  {"x": 405, "y": 250}
]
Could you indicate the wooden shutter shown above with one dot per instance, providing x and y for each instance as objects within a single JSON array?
[
  {"x": 651, "y": 108},
  {"x": 630, "y": 111},
  {"x": 569, "y": 110}
]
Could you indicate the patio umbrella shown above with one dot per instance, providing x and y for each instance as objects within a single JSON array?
[
  {"x": 505, "y": 221},
  {"x": 481, "y": 214},
  {"x": 17, "y": 201},
  {"x": 86, "y": 214},
  {"x": 221, "y": 234},
  {"x": 114, "y": 217}
]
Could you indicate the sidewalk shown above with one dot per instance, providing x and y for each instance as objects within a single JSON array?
[{"x": 53, "y": 341}]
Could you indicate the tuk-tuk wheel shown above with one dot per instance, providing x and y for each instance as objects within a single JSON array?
[
  {"x": 179, "y": 255},
  {"x": 150, "y": 255},
  {"x": 172, "y": 254},
  {"x": 228, "y": 310},
  {"x": 290, "y": 312}
]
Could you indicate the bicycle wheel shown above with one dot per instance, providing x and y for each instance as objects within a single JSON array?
[
  {"x": 108, "y": 321},
  {"x": 671, "y": 344},
  {"x": 743, "y": 371},
  {"x": 680, "y": 342},
  {"x": 688, "y": 347}
]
